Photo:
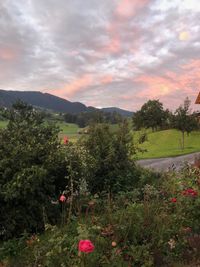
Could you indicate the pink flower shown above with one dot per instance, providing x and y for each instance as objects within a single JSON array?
[
  {"x": 65, "y": 140},
  {"x": 173, "y": 200},
  {"x": 62, "y": 198},
  {"x": 85, "y": 246}
]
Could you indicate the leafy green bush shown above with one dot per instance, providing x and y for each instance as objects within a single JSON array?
[
  {"x": 113, "y": 168},
  {"x": 32, "y": 170}
]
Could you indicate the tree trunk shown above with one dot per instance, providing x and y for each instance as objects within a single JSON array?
[{"x": 183, "y": 140}]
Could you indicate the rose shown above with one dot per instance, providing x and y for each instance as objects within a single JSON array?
[
  {"x": 62, "y": 198},
  {"x": 85, "y": 246},
  {"x": 173, "y": 200},
  {"x": 65, "y": 140},
  {"x": 190, "y": 192}
]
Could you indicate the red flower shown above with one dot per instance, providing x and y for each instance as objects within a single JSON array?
[
  {"x": 62, "y": 198},
  {"x": 173, "y": 200},
  {"x": 85, "y": 246},
  {"x": 190, "y": 192},
  {"x": 65, "y": 140}
]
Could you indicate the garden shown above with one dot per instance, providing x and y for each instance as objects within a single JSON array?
[{"x": 88, "y": 203}]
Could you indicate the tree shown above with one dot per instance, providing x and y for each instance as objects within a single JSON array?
[
  {"x": 32, "y": 170},
  {"x": 112, "y": 153},
  {"x": 184, "y": 120},
  {"x": 151, "y": 115}
]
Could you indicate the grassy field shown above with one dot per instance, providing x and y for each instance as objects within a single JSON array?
[
  {"x": 167, "y": 143},
  {"x": 69, "y": 129},
  {"x": 159, "y": 144}
]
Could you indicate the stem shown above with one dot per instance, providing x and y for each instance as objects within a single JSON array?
[{"x": 71, "y": 198}]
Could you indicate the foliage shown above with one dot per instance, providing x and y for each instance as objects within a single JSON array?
[
  {"x": 112, "y": 154},
  {"x": 94, "y": 116},
  {"x": 151, "y": 115},
  {"x": 184, "y": 121},
  {"x": 166, "y": 144},
  {"x": 143, "y": 227},
  {"x": 32, "y": 170}
]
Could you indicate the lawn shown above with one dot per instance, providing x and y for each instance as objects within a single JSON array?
[
  {"x": 69, "y": 129},
  {"x": 159, "y": 144},
  {"x": 167, "y": 143}
]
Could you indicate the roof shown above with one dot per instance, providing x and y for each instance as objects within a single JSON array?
[{"x": 198, "y": 99}]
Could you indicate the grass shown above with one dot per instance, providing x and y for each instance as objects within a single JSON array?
[
  {"x": 160, "y": 144},
  {"x": 69, "y": 129},
  {"x": 3, "y": 124},
  {"x": 167, "y": 144}
]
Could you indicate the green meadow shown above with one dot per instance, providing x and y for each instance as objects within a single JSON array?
[
  {"x": 167, "y": 143},
  {"x": 69, "y": 129}
]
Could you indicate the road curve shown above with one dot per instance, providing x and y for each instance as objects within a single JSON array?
[{"x": 165, "y": 164}]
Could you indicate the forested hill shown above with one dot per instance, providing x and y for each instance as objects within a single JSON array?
[
  {"x": 50, "y": 102},
  {"x": 42, "y": 100}
]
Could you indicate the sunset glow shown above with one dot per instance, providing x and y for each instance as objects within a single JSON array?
[{"x": 102, "y": 53}]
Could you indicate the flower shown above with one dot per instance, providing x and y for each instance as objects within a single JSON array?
[
  {"x": 173, "y": 200},
  {"x": 114, "y": 244},
  {"x": 172, "y": 243},
  {"x": 190, "y": 192},
  {"x": 65, "y": 140},
  {"x": 62, "y": 198},
  {"x": 85, "y": 246}
]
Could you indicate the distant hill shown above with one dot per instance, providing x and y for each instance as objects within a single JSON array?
[
  {"x": 50, "y": 102},
  {"x": 120, "y": 111}
]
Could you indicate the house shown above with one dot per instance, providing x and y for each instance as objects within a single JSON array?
[
  {"x": 198, "y": 99},
  {"x": 198, "y": 102}
]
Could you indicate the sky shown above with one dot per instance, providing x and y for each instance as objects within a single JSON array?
[{"x": 102, "y": 52}]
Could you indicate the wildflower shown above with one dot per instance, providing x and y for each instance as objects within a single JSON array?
[
  {"x": 172, "y": 243},
  {"x": 85, "y": 246},
  {"x": 65, "y": 140},
  {"x": 62, "y": 198},
  {"x": 173, "y": 200},
  {"x": 114, "y": 244},
  {"x": 190, "y": 192}
]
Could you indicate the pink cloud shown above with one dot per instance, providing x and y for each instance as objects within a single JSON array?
[
  {"x": 128, "y": 8},
  {"x": 7, "y": 54},
  {"x": 77, "y": 85},
  {"x": 166, "y": 87},
  {"x": 106, "y": 79}
]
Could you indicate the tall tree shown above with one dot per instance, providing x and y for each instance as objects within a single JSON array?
[
  {"x": 151, "y": 115},
  {"x": 184, "y": 120}
]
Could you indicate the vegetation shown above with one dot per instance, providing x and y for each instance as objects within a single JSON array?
[
  {"x": 88, "y": 203},
  {"x": 151, "y": 115},
  {"x": 35, "y": 167},
  {"x": 32, "y": 169},
  {"x": 112, "y": 154},
  {"x": 84, "y": 119},
  {"x": 153, "y": 225},
  {"x": 167, "y": 143},
  {"x": 184, "y": 121}
]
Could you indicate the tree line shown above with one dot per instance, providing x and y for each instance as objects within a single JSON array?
[
  {"x": 83, "y": 119},
  {"x": 153, "y": 115}
]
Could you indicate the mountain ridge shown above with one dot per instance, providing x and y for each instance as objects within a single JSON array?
[{"x": 51, "y": 102}]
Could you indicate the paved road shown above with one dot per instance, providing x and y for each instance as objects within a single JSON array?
[{"x": 164, "y": 164}]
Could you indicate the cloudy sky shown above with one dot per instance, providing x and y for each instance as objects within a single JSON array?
[{"x": 102, "y": 52}]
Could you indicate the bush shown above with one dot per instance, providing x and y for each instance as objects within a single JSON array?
[
  {"x": 113, "y": 167},
  {"x": 32, "y": 170}
]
